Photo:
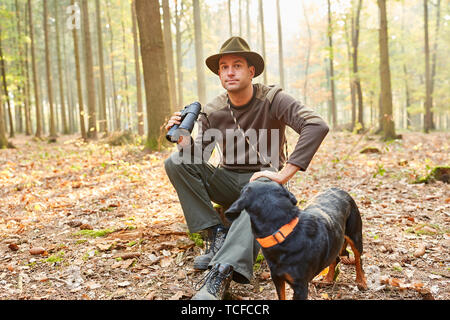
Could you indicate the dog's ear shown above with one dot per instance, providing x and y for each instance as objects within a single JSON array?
[
  {"x": 291, "y": 197},
  {"x": 235, "y": 210}
]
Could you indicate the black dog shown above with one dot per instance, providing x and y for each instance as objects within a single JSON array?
[{"x": 299, "y": 244}]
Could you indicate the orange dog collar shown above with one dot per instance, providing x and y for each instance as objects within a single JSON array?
[{"x": 278, "y": 236}]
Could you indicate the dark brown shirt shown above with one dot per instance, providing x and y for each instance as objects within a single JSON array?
[{"x": 263, "y": 121}]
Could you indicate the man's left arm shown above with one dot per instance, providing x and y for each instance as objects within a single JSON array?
[{"x": 308, "y": 124}]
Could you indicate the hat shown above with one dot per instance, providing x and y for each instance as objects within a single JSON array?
[{"x": 236, "y": 45}]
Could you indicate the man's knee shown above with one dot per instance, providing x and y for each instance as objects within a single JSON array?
[{"x": 172, "y": 162}]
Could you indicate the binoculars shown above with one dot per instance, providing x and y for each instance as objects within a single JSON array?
[{"x": 188, "y": 117}]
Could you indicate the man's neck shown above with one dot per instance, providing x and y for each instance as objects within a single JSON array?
[{"x": 241, "y": 98}]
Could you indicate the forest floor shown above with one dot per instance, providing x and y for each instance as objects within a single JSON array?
[{"x": 92, "y": 221}]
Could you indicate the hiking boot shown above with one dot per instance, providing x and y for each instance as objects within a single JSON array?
[
  {"x": 216, "y": 283},
  {"x": 214, "y": 241}
]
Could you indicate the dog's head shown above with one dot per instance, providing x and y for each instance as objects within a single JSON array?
[{"x": 262, "y": 198}]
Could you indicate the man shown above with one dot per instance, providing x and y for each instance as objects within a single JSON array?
[{"x": 255, "y": 116}]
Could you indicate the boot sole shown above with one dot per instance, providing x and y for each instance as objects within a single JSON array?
[{"x": 201, "y": 266}]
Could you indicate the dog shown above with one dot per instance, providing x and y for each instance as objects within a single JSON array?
[{"x": 299, "y": 244}]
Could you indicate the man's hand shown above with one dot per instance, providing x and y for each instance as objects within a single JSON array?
[
  {"x": 176, "y": 119},
  {"x": 280, "y": 177}
]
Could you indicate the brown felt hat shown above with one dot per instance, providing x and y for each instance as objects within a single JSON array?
[{"x": 236, "y": 45}]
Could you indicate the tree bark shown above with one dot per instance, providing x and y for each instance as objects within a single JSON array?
[
  {"x": 78, "y": 76},
  {"x": 155, "y": 70},
  {"x": 428, "y": 119},
  {"x": 37, "y": 100},
  {"x": 280, "y": 46},
  {"x": 387, "y": 120},
  {"x": 60, "y": 72},
  {"x": 331, "y": 59},
  {"x": 89, "y": 69},
  {"x": 5, "y": 88},
  {"x": 3, "y": 138},
  {"x": 308, "y": 54},
  {"x": 53, "y": 135},
  {"x": 263, "y": 37},
  {"x": 199, "y": 61},
  {"x": 140, "y": 111},
  {"x": 169, "y": 52},
  {"x": 102, "y": 110}
]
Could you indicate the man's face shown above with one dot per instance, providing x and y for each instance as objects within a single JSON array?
[{"x": 234, "y": 72}]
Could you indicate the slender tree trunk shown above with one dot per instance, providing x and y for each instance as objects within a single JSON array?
[
  {"x": 247, "y": 17},
  {"x": 351, "y": 75},
  {"x": 53, "y": 135},
  {"x": 169, "y": 52},
  {"x": 428, "y": 119},
  {"x": 199, "y": 61},
  {"x": 263, "y": 36},
  {"x": 331, "y": 59},
  {"x": 5, "y": 88},
  {"x": 280, "y": 46},
  {"x": 37, "y": 100},
  {"x": 405, "y": 71},
  {"x": 155, "y": 70},
  {"x": 357, "y": 81},
  {"x": 308, "y": 54},
  {"x": 89, "y": 69},
  {"x": 3, "y": 138},
  {"x": 102, "y": 110},
  {"x": 434, "y": 57},
  {"x": 387, "y": 120},
  {"x": 179, "y": 13},
  {"x": 113, "y": 78},
  {"x": 28, "y": 126},
  {"x": 60, "y": 72},
  {"x": 78, "y": 76},
  {"x": 230, "y": 19},
  {"x": 140, "y": 111},
  {"x": 125, "y": 78}
]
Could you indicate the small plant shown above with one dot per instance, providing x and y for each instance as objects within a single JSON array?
[
  {"x": 94, "y": 233},
  {"x": 197, "y": 238},
  {"x": 55, "y": 257}
]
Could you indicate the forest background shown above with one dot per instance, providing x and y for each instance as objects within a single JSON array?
[{"x": 87, "y": 86}]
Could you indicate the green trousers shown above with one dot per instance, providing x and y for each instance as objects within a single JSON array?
[{"x": 199, "y": 184}]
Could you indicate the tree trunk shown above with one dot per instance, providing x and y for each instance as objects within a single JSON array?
[
  {"x": 280, "y": 47},
  {"x": 199, "y": 61},
  {"x": 230, "y": 19},
  {"x": 53, "y": 136},
  {"x": 28, "y": 127},
  {"x": 434, "y": 57},
  {"x": 5, "y": 88},
  {"x": 60, "y": 72},
  {"x": 37, "y": 100},
  {"x": 113, "y": 78},
  {"x": 308, "y": 54},
  {"x": 387, "y": 120},
  {"x": 102, "y": 110},
  {"x": 140, "y": 111},
  {"x": 263, "y": 37},
  {"x": 427, "y": 119},
  {"x": 3, "y": 139},
  {"x": 169, "y": 52},
  {"x": 78, "y": 76},
  {"x": 351, "y": 75},
  {"x": 89, "y": 69},
  {"x": 405, "y": 71},
  {"x": 179, "y": 53},
  {"x": 155, "y": 70},
  {"x": 330, "y": 45},
  {"x": 356, "y": 79}
]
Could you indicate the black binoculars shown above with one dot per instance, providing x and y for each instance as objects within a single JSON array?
[{"x": 188, "y": 117}]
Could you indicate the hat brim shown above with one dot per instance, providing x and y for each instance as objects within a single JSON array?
[{"x": 253, "y": 58}]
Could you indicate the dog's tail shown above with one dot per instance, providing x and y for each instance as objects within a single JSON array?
[{"x": 353, "y": 228}]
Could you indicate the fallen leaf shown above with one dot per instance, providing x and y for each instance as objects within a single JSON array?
[
  {"x": 420, "y": 251},
  {"x": 37, "y": 251}
]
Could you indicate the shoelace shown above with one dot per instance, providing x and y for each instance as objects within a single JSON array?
[{"x": 216, "y": 284}]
